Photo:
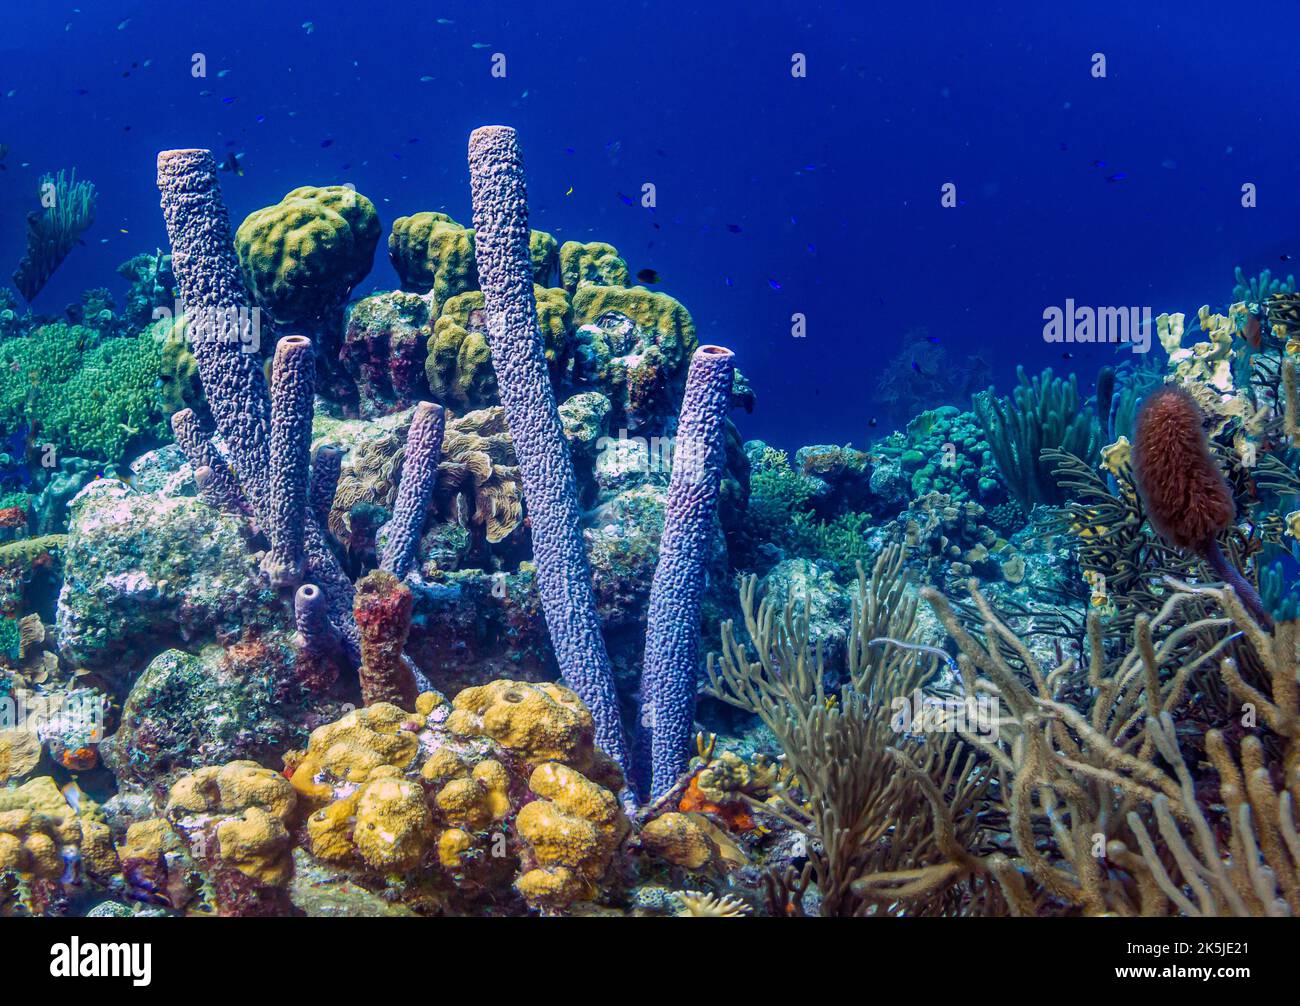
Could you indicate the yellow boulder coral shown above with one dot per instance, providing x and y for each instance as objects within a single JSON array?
[
  {"x": 393, "y": 825},
  {"x": 680, "y": 839},
  {"x": 571, "y": 833},
  {"x": 302, "y": 257},
  {"x": 535, "y": 722},
  {"x": 433, "y": 253},
  {"x": 231, "y": 788},
  {"x": 351, "y": 749}
]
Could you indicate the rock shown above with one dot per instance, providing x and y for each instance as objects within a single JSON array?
[{"x": 144, "y": 571}]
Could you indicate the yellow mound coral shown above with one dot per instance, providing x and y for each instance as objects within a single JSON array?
[
  {"x": 596, "y": 263},
  {"x": 352, "y": 748},
  {"x": 535, "y": 722},
  {"x": 681, "y": 839},
  {"x": 236, "y": 816},
  {"x": 302, "y": 257},
  {"x": 433, "y": 253},
  {"x": 459, "y": 362},
  {"x": 571, "y": 831},
  {"x": 37, "y": 824}
]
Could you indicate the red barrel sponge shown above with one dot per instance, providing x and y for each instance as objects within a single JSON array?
[{"x": 1187, "y": 498}]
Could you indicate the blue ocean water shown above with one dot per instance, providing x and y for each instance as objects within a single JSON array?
[{"x": 776, "y": 194}]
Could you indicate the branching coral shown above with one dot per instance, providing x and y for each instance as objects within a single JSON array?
[
  {"x": 90, "y": 397},
  {"x": 1041, "y": 413},
  {"x": 889, "y": 816},
  {"x": 1084, "y": 792},
  {"x": 68, "y": 210}
]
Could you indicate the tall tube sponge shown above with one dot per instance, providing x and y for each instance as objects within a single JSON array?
[
  {"x": 563, "y": 575},
  {"x": 293, "y": 386},
  {"x": 419, "y": 473},
  {"x": 223, "y": 332},
  {"x": 671, "y": 665}
]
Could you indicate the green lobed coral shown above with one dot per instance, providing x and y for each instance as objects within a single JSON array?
[
  {"x": 594, "y": 264},
  {"x": 433, "y": 253},
  {"x": 89, "y": 397},
  {"x": 945, "y": 450},
  {"x": 302, "y": 257},
  {"x": 459, "y": 362}
]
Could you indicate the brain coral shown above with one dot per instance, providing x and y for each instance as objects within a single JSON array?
[{"x": 302, "y": 257}]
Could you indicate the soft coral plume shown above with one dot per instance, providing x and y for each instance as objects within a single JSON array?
[{"x": 1187, "y": 498}]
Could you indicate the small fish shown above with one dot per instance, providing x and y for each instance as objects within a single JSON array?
[
  {"x": 734, "y": 228},
  {"x": 308, "y": 27},
  {"x": 11, "y": 94},
  {"x": 873, "y": 421},
  {"x": 123, "y": 25},
  {"x": 569, "y": 150},
  {"x": 123, "y": 230},
  {"x": 425, "y": 79},
  {"x": 223, "y": 73},
  {"x": 481, "y": 45},
  {"x": 147, "y": 63},
  {"x": 570, "y": 192},
  {"x": 327, "y": 143},
  {"x": 1098, "y": 164},
  {"x": 728, "y": 280},
  {"x": 648, "y": 276},
  {"x": 73, "y": 795},
  {"x": 1284, "y": 257},
  {"x": 1118, "y": 176},
  {"x": 228, "y": 101},
  {"x": 626, "y": 200},
  {"x": 774, "y": 284},
  {"x": 932, "y": 339},
  {"x": 445, "y": 20},
  {"x": 234, "y": 162},
  {"x": 205, "y": 94},
  {"x": 1067, "y": 356}
]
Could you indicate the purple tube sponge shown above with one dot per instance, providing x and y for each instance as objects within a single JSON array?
[
  {"x": 419, "y": 473},
  {"x": 224, "y": 335},
  {"x": 325, "y": 469},
  {"x": 293, "y": 382},
  {"x": 671, "y": 665},
  {"x": 563, "y": 575},
  {"x": 217, "y": 486},
  {"x": 317, "y": 636}
]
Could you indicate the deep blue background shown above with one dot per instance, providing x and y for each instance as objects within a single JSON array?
[{"x": 833, "y": 180}]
